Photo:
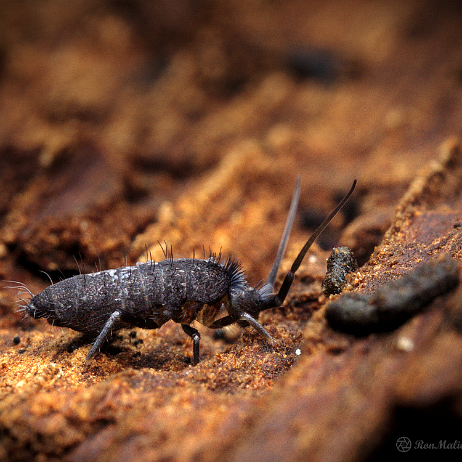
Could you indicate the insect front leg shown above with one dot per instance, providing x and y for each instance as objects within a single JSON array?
[
  {"x": 223, "y": 322},
  {"x": 194, "y": 334},
  {"x": 106, "y": 332},
  {"x": 243, "y": 319}
]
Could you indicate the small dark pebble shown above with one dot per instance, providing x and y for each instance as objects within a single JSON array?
[
  {"x": 138, "y": 341},
  {"x": 394, "y": 303},
  {"x": 132, "y": 334},
  {"x": 457, "y": 224},
  {"x": 21, "y": 351},
  {"x": 340, "y": 262},
  {"x": 16, "y": 340}
]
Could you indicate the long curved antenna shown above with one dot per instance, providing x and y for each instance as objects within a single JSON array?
[
  {"x": 283, "y": 291},
  {"x": 285, "y": 235}
]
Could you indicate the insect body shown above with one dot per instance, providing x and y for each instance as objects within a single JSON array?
[{"x": 182, "y": 290}]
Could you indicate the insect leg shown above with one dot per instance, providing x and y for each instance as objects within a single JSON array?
[
  {"x": 243, "y": 320},
  {"x": 222, "y": 322},
  {"x": 257, "y": 326},
  {"x": 194, "y": 334},
  {"x": 104, "y": 334}
]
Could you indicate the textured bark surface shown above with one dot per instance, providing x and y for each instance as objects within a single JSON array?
[{"x": 128, "y": 123}]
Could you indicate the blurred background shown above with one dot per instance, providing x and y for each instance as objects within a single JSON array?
[{"x": 125, "y": 123}]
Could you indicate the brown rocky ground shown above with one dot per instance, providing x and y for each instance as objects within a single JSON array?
[{"x": 125, "y": 123}]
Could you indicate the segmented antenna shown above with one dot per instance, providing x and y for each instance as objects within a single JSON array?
[
  {"x": 280, "y": 297},
  {"x": 285, "y": 235}
]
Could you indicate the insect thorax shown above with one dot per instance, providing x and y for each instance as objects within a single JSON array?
[{"x": 210, "y": 312}]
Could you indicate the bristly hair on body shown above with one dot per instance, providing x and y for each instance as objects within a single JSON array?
[{"x": 149, "y": 294}]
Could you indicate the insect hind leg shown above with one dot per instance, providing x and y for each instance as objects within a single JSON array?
[
  {"x": 105, "y": 333},
  {"x": 194, "y": 334}
]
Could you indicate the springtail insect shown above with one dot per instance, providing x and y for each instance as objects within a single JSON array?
[{"x": 149, "y": 294}]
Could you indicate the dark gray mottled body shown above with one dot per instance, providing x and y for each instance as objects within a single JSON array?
[{"x": 147, "y": 295}]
